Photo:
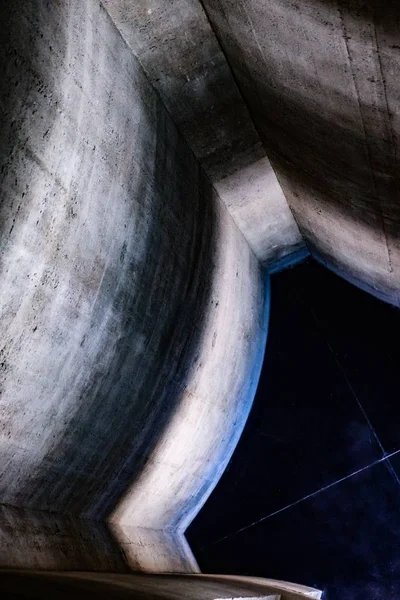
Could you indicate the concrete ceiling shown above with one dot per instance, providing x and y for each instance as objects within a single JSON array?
[
  {"x": 175, "y": 43},
  {"x": 315, "y": 82}
]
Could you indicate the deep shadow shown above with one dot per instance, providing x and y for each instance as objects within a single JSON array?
[
  {"x": 312, "y": 491},
  {"x": 159, "y": 303}
]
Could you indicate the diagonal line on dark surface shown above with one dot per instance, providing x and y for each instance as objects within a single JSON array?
[
  {"x": 323, "y": 489},
  {"x": 352, "y": 390}
]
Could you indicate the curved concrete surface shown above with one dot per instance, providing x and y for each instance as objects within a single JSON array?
[
  {"x": 175, "y": 43},
  {"x": 35, "y": 585},
  {"x": 320, "y": 80},
  {"x": 134, "y": 314},
  {"x": 134, "y": 311},
  {"x": 319, "y": 83}
]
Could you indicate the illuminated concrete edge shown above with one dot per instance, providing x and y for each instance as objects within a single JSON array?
[{"x": 181, "y": 56}]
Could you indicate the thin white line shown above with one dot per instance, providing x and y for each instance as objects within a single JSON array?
[{"x": 277, "y": 512}]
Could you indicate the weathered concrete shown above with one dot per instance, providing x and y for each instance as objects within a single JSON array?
[
  {"x": 134, "y": 314},
  {"x": 152, "y": 550},
  {"x": 177, "y": 47},
  {"x": 53, "y": 541},
  {"x": 286, "y": 588},
  {"x": 193, "y": 449},
  {"x": 320, "y": 79}
]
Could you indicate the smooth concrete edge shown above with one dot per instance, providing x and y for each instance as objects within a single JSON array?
[
  {"x": 288, "y": 261},
  {"x": 249, "y": 188},
  {"x": 183, "y": 586}
]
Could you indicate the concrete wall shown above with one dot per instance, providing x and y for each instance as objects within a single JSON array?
[
  {"x": 133, "y": 311},
  {"x": 176, "y": 45},
  {"x": 320, "y": 80}
]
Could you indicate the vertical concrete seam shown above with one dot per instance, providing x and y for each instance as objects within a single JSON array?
[{"x": 364, "y": 128}]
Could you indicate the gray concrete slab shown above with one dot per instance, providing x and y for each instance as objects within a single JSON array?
[
  {"x": 182, "y": 58},
  {"x": 167, "y": 587},
  {"x": 320, "y": 80}
]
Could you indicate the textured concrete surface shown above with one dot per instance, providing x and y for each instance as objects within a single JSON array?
[
  {"x": 256, "y": 202},
  {"x": 285, "y": 587},
  {"x": 320, "y": 80},
  {"x": 153, "y": 550},
  {"x": 44, "y": 540},
  {"x": 180, "y": 54},
  {"x": 53, "y": 541},
  {"x": 168, "y": 587},
  {"x": 133, "y": 312}
]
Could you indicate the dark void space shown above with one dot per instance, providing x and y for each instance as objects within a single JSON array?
[{"x": 312, "y": 493}]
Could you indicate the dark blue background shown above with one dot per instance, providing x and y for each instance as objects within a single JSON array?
[{"x": 312, "y": 493}]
